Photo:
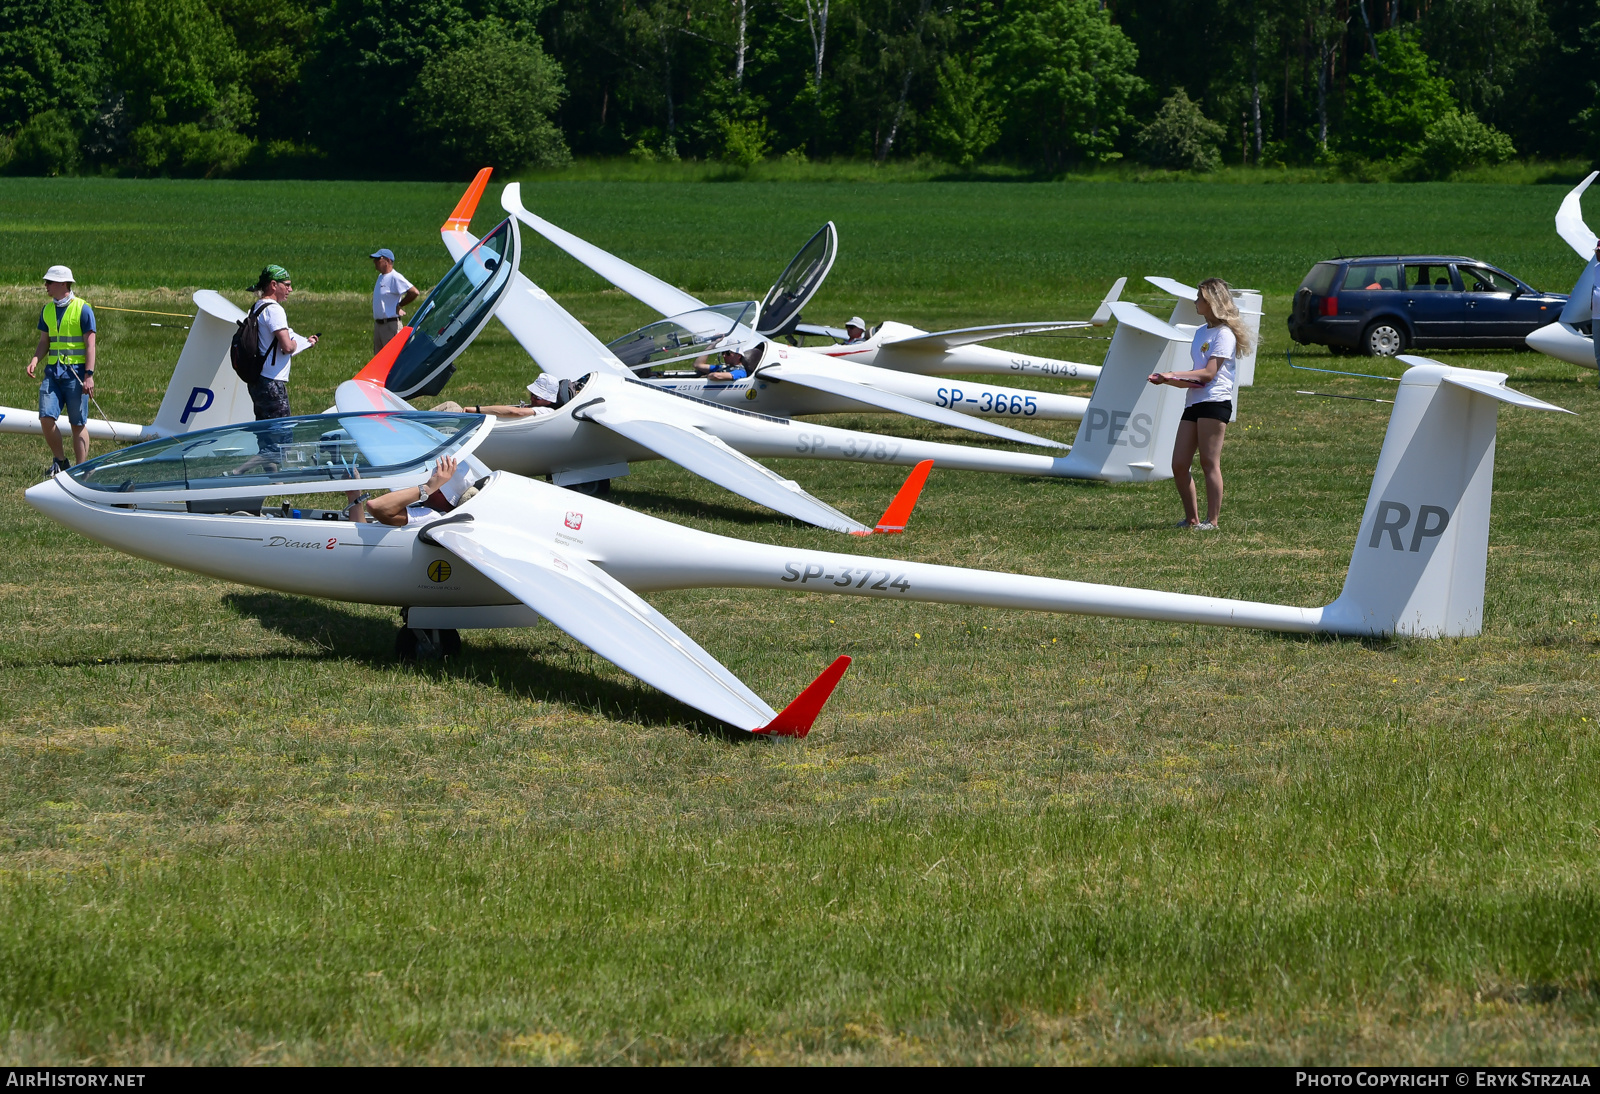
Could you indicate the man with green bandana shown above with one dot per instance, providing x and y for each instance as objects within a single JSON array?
[
  {"x": 278, "y": 344},
  {"x": 66, "y": 342}
]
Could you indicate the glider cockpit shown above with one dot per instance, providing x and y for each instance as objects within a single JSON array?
[
  {"x": 691, "y": 335},
  {"x": 235, "y": 465}
]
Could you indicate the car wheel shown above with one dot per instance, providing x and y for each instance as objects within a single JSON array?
[{"x": 1384, "y": 339}]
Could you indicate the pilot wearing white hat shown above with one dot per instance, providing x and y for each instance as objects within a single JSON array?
[
  {"x": 543, "y": 395},
  {"x": 67, "y": 344},
  {"x": 856, "y": 328}
]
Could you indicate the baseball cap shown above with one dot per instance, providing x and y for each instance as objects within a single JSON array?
[
  {"x": 857, "y": 321},
  {"x": 59, "y": 273},
  {"x": 382, "y": 252},
  {"x": 545, "y": 387}
]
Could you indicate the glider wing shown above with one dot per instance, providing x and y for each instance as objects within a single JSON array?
[
  {"x": 902, "y": 404},
  {"x": 605, "y": 615},
  {"x": 713, "y": 460},
  {"x": 966, "y": 336},
  {"x": 1570, "y": 224},
  {"x": 646, "y": 288}
]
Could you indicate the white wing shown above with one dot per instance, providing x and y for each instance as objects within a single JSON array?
[
  {"x": 646, "y": 288},
  {"x": 902, "y": 404},
  {"x": 1570, "y": 224},
  {"x": 605, "y": 615},
  {"x": 1174, "y": 288},
  {"x": 713, "y": 460},
  {"x": 966, "y": 336}
]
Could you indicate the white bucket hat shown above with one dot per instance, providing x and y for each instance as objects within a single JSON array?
[
  {"x": 59, "y": 273},
  {"x": 857, "y": 321},
  {"x": 545, "y": 387}
]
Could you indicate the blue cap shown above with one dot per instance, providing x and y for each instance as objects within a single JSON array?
[{"x": 383, "y": 252}]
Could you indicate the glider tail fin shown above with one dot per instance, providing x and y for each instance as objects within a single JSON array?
[
  {"x": 898, "y": 515},
  {"x": 204, "y": 390},
  {"x": 1129, "y": 427},
  {"x": 1419, "y": 559},
  {"x": 460, "y": 218},
  {"x": 1102, "y": 314},
  {"x": 795, "y": 720}
]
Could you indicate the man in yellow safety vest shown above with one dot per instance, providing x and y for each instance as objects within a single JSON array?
[{"x": 66, "y": 342}]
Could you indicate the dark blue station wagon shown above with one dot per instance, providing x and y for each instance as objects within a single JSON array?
[{"x": 1388, "y": 304}]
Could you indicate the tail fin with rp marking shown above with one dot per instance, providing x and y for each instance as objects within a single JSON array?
[{"x": 1421, "y": 553}]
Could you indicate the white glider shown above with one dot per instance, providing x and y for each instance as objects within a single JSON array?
[
  {"x": 609, "y": 419},
  {"x": 521, "y": 549},
  {"x": 787, "y": 380},
  {"x": 204, "y": 390},
  {"x": 1570, "y": 338}
]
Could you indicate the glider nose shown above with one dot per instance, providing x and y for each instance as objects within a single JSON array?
[
  {"x": 49, "y": 498},
  {"x": 1558, "y": 341}
]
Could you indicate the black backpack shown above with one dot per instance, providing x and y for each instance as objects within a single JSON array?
[{"x": 245, "y": 349}]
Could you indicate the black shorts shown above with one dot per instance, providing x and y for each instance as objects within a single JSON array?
[{"x": 1218, "y": 412}]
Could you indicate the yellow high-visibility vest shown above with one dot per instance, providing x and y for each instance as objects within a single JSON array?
[{"x": 67, "y": 344}]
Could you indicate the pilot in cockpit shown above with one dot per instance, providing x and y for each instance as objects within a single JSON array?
[
  {"x": 733, "y": 367},
  {"x": 450, "y": 485},
  {"x": 855, "y": 330},
  {"x": 544, "y": 395}
]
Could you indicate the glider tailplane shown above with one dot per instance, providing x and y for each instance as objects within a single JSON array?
[
  {"x": 795, "y": 720},
  {"x": 1102, "y": 314},
  {"x": 1419, "y": 559},
  {"x": 898, "y": 515},
  {"x": 1129, "y": 427},
  {"x": 204, "y": 390}
]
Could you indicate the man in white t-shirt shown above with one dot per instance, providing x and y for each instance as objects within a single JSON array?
[
  {"x": 278, "y": 344},
  {"x": 390, "y": 294}
]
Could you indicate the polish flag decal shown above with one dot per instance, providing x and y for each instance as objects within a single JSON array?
[{"x": 574, "y": 521}]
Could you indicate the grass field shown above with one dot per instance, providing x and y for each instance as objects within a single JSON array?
[{"x": 234, "y": 829}]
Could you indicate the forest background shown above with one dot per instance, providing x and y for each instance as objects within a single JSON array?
[{"x": 1385, "y": 89}]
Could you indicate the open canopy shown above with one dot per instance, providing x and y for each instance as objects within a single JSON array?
[
  {"x": 454, "y": 312},
  {"x": 798, "y": 283},
  {"x": 709, "y": 330},
  {"x": 315, "y": 451}
]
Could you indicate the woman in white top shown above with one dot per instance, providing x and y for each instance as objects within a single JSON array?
[{"x": 1210, "y": 384}]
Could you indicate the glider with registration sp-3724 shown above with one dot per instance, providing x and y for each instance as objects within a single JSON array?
[{"x": 519, "y": 550}]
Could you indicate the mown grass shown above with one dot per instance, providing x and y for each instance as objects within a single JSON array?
[{"x": 233, "y": 828}]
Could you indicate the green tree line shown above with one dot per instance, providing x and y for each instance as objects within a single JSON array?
[{"x": 435, "y": 88}]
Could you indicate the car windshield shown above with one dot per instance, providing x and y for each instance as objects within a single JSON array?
[
  {"x": 454, "y": 311},
  {"x": 316, "y": 448},
  {"x": 685, "y": 335}
]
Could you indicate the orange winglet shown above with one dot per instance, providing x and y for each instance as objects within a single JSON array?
[
  {"x": 461, "y": 218},
  {"x": 796, "y": 718},
  {"x": 898, "y": 515},
  {"x": 377, "y": 370}
]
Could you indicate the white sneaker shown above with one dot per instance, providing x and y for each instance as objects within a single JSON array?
[{"x": 1205, "y": 526}]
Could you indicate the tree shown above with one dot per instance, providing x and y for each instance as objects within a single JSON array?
[
  {"x": 965, "y": 122},
  {"x": 489, "y": 102},
  {"x": 1180, "y": 137},
  {"x": 51, "y": 58},
  {"x": 176, "y": 83},
  {"x": 1394, "y": 100},
  {"x": 1457, "y": 141},
  {"x": 1064, "y": 81}
]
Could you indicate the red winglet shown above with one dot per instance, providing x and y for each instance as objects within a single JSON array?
[
  {"x": 898, "y": 515},
  {"x": 377, "y": 370},
  {"x": 796, "y": 718},
  {"x": 461, "y": 218}
]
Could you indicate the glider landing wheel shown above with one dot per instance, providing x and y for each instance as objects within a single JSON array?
[
  {"x": 415, "y": 644},
  {"x": 1384, "y": 339},
  {"x": 599, "y": 488}
]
